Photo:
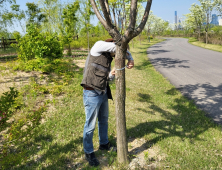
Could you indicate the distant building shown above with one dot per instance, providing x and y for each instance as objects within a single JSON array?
[
  {"x": 176, "y": 20},
  {"x": 214, "y": 20},
  {"x": 180, "y": 26},
  {"x": 220, "y": 22}
]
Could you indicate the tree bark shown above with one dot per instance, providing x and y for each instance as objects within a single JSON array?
[{"x": 120, "y": 106}]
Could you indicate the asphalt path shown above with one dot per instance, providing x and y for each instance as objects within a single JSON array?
[{"x": 195, "y": 71}]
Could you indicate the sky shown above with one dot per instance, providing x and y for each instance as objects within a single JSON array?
[
  {"x": 161, "y": 8},
  {"x": 166, "y": 8}
]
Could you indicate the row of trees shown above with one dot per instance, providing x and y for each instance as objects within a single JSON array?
[
  {"x": 64, "y": 18},
  {"x": 200, "y": 15},
  {"x": 196, "y": 22}
]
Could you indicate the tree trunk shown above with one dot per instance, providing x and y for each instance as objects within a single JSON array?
[
  {"x": 122, "y": 146},
  {"x": 207, "y": 26}
]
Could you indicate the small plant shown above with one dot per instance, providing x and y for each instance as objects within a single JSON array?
[
  {"x": 6, "y": 102},
  {"x": 112, "y": 155},
  {"x": 146, "y": 156}
]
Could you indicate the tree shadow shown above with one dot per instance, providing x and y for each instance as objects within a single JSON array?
[
  {"x": 144, "y": 65},
  {"x": 155, "y": 52},
  {"x": 207, "y": 97},
  {"x": 187, "y": 124},
  {"x": 55, "y": 154}
]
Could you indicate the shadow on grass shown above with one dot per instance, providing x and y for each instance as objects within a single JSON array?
[
  {"x": 187, "y": 124},
  {"x": 55, "y": 154},
  {"x": 144, "y": 65}
]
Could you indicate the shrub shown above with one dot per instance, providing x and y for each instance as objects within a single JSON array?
[{"x": 36, "y": 45}]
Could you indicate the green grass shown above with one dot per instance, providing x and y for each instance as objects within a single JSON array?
[
  {"x": 155, "y": 112},
  {"x": 213, "y": 47},
  {"x": 160, "y": 114}
]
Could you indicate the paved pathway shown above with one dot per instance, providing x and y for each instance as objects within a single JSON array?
[{"x": 195, "y": 71}]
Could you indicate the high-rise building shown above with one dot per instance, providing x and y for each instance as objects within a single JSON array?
[
  {"x": 214, "y": 20},
  {"x": 175, "y": 19}
]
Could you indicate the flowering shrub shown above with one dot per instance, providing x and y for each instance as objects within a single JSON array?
[{"x": 6, "y": 101}]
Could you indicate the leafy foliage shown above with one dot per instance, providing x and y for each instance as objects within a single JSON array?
[
  {"x": 35, "y": 16},
  {"x": 36, "y": 45}
]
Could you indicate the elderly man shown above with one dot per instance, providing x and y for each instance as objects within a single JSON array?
[{"x": 96, "y": 93}]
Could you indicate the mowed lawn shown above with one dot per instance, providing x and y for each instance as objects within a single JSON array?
[{"x": 175, "y": 134}]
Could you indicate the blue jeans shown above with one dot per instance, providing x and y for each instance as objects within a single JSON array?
[{"x": 95, "y": 106}]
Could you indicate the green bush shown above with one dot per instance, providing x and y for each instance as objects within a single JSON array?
[{"x": 37, "y": 45}]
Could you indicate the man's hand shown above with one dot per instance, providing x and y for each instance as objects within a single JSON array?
[
  {"x": 130, "y": 64},
  {"x": 113, "y": 71}
]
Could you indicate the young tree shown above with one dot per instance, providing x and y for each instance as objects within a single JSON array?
[
  {"x": 6, "y": 15},
  {"x": 121, "y": 47},
  {"x": 190, "y": 22},
  {"x": 69, "y": 19},
  {"x": 86, "y": 12},
  {"x": 158, "y": 25},
  {"x": 197, "y": 15},
  {"x": 10, "y": 18},
  {"x": 149, "y": 22},
  {"x": 53, "y": 12},
  {"x": 207, "y": 7},
  {"x": 34, "y": 14}
]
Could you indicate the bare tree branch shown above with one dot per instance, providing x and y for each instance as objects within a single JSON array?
[
  {"x": 142, "y": 24},
  {"x": 133, "y": 12},
  {"x": 99, "y": 16},
  {"x": 113, "y": 32},
  {"x": 145, "y": 17},
  {"x": 107, "y": 8},
  {"x": 105, "y": 13},
  {"x": 114, "y": 15}
]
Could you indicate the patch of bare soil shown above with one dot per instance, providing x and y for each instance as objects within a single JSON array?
[
  {"x": 15, "y": 79},
  {"x": 143, "y": 155},
  {"x": 80, "y": 63}
]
